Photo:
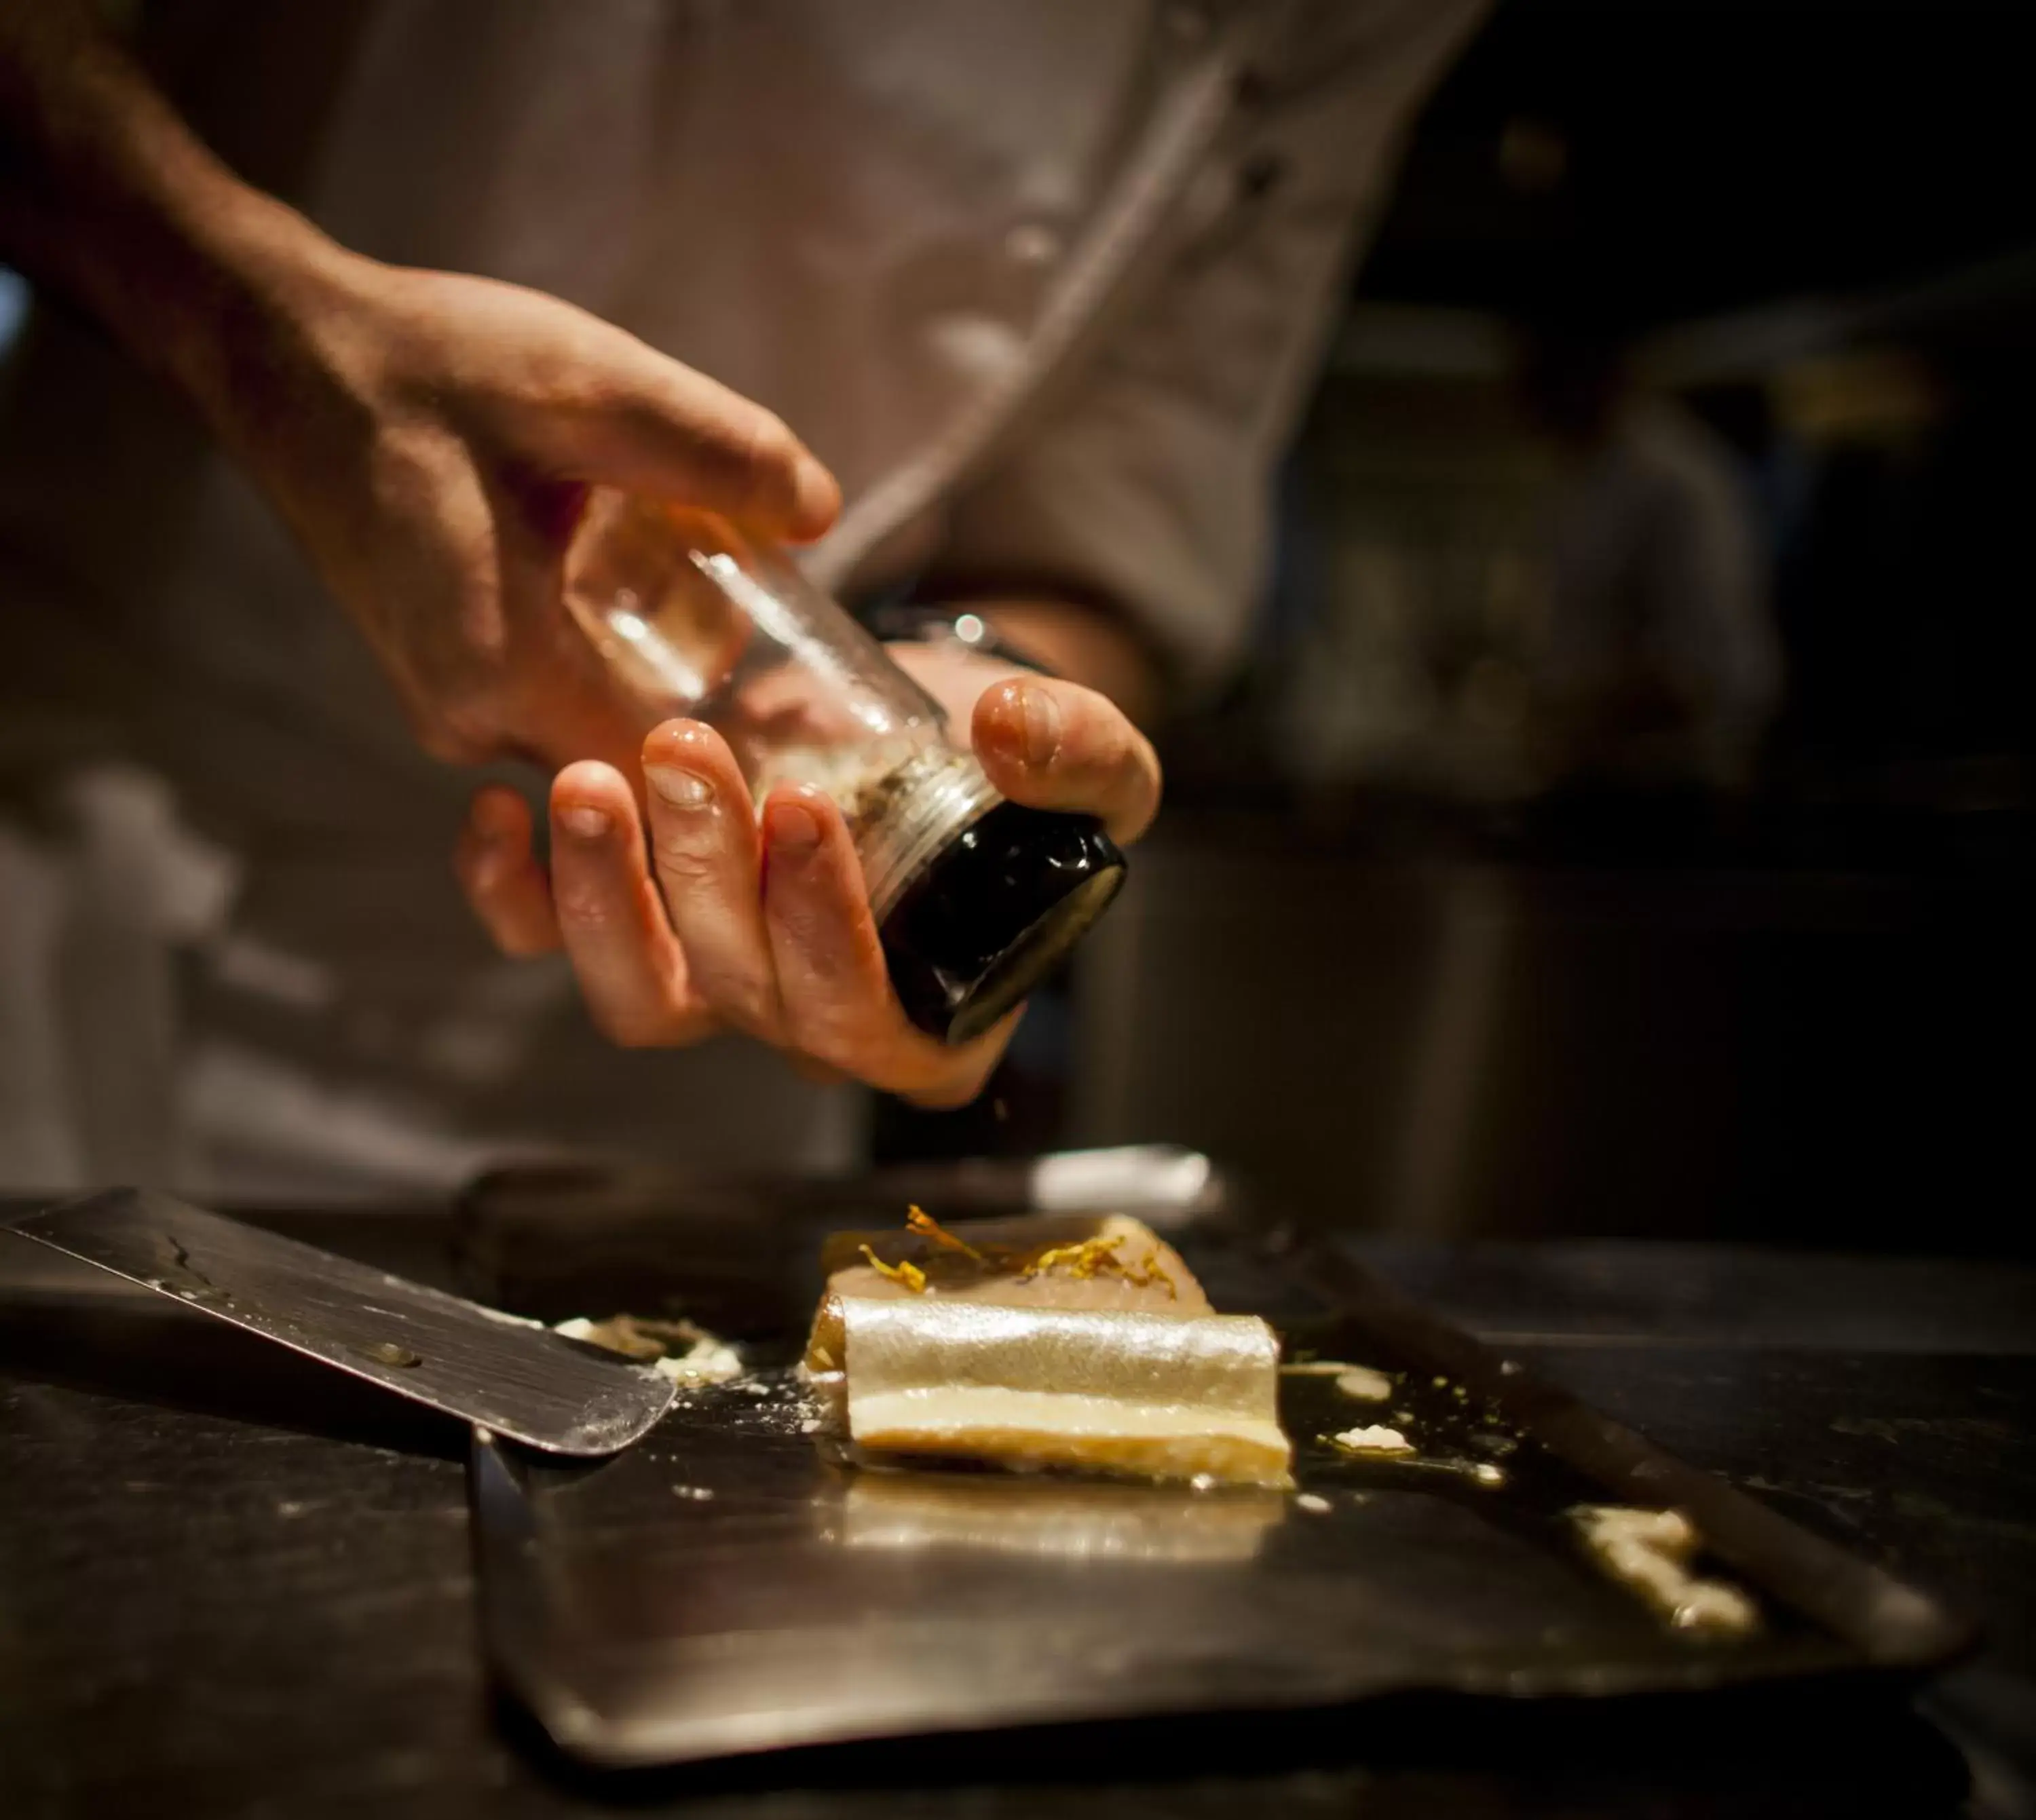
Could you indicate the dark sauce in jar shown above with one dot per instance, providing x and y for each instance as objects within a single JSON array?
[{"x": 994, "y": 912}]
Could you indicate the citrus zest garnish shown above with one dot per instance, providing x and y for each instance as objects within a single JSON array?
[
  {"x": 1083, "y": 1260},
  {"x": 918, "y": 1220},
  {"x": 1088, "y": 1258},
  {"x": 1093, "y": 1257},
  {"x": 909, "y": 1276}
]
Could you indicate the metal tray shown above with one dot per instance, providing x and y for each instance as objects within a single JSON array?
[{"x": 729, "y": 1586}]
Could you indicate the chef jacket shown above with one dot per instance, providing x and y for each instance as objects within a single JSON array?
[{"x": 1043, "y": 281}]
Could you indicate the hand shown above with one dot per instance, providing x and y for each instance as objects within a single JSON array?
[
  {"x": 430, "y": 438},
  {"x": 730, "y": 921}
]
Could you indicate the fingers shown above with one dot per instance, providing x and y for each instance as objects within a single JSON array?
[
  {"x": 630, "y": 971},
  {"x": 836, "y": 1003},
  {"x": 665, "y": 430},
  {"x": 1056, "y": 745},
  {"x": 705, "y": 849},
  {"x": 796, "y": 963},
  {"x": 499, "y": 873}
]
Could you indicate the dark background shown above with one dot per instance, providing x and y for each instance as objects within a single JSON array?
[{"x": 1402, "y": 988}]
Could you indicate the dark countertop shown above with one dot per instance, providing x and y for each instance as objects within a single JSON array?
[{"x": 231, "y": 1584}]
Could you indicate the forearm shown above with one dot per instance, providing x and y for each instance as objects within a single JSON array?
[{"x": 107, "y": 197}]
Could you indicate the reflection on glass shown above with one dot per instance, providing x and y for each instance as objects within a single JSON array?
[{"x": 697, "y": 619}]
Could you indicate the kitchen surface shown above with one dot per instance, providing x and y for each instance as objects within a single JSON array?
[
  {"x": 231, "y": 1568},
  {"x": 591, "y": 596}
]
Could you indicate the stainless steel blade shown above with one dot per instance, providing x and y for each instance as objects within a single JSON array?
[{"x": 513, "y": 1378}]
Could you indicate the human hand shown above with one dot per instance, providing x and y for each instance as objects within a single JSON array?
[
  {"x": 714, "y": 918},
  {"x": 431, "y": 437}
]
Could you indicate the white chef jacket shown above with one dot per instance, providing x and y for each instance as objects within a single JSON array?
[{"x": 1043, "y": 281}]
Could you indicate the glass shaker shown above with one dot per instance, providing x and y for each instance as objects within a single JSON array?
[{"x": 976, "y": 899}]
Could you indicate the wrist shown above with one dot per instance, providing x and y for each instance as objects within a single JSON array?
[
  {"x": 1083, "y": 644},
  {"x": 956, "y": 632},
  {"x": 248, "y": 308}
]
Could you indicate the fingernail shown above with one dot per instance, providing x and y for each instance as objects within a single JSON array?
[
  {"x": 1040, "y": 715},
  {"x": 682, "y": 789},
  {"x": 794, "y": 828},
  {"x": 590, "y": 823}
]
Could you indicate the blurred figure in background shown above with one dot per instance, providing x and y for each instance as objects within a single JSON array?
[
  {"x": 1656, "y": 669},
  {"x": 1041, "y": 286}
]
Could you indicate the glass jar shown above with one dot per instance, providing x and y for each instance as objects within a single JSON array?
[{"x": 975, "y": 898}]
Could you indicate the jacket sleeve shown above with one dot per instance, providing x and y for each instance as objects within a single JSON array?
[{"x": 1144, "y": 484}]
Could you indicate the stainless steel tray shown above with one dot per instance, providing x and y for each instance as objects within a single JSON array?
[{"x": 729, "y": 1587}]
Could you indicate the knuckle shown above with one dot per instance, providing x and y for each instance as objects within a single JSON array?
[
  {"x": 587, "y": 908},
  {"x": 684, "y": 863}
]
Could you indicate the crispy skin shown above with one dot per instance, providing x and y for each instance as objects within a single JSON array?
[
  {"x": 1148, "y": 1276},
  {"x": 1151, "y": 1395}
]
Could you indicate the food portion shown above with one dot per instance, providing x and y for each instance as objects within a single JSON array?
[
  {"x": 1046, "y": 1343},
  {"x": 1111, "y": 1264},
  {"x": 1651, "y": 1552},
  {"x": 1376, "y": 1439},
  {"x": 683, "y": 1350},
  {"x": 1164, "y": 1396},
  {"x": 1360, "y": 1383}
]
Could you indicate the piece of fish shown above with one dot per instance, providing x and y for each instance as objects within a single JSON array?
[
  {"x": 1154, "y": 1396},
  {"x": 1066, "y": 1261}
]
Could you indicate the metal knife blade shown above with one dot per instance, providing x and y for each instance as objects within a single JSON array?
[{"x": 513, "y": 1378}]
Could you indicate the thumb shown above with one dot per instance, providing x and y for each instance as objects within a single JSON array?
[{"x": 1056, "y": 745}]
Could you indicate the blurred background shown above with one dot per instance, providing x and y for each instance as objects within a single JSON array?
[{"x": 1625, "y": 822}]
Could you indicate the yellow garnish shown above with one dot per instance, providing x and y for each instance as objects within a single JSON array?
[
  {"x": 1090, "y": 1257},
  {"x": 909, "y": 1275},
  {"x": 918, "y": 1220},
  {"x": 1083, "y": 1260},
  {"x": 1154, "y": 1273},
  {"x": 1096, "y": 1257}
]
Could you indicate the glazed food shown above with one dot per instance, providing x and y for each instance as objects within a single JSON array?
[
  {"x": 1050, "y": 1343},
  {"x": 1112, "y": 1264}
]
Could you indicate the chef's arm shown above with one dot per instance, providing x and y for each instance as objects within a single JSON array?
[
  {"x": 107, "y": 198},
  {"x": 426, "y": 436}
]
